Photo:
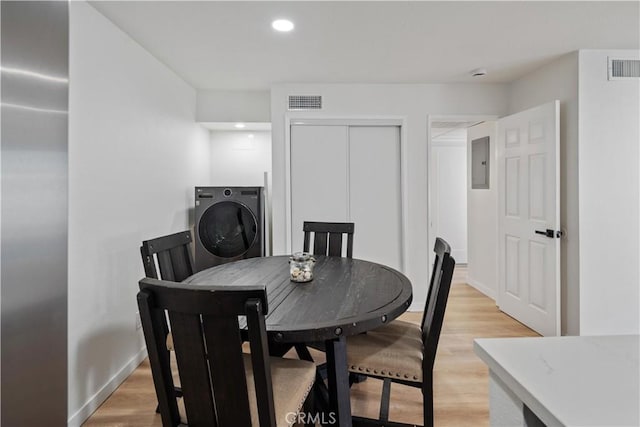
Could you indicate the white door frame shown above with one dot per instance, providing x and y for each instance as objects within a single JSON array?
[
  {"x": 430, "y": 171},
  {"x": 301, "y": 119}
]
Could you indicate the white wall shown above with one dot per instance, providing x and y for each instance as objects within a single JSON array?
[
  {"x": 449, "y": 191},
  {"x": 609, "y": 197},
  {"x": 482, "y": 218},
  {"x": 135, "y": 154},
  {"x": 559, "y": 80},
  {"x": 233, "y": 106},
  {"x": 237, "y": 159},
  {"x": 412, "y": 103},
  {"x": 599, "y": 188}
]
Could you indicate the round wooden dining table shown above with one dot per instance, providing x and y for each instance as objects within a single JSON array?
[{"x": 346, "y": 297}]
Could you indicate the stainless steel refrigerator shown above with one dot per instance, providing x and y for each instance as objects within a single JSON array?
[{"x": 34, "y": 199}]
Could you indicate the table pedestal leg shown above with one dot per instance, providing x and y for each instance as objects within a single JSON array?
[{"x": 338, "y": 376}]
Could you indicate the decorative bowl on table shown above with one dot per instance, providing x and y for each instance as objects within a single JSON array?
[{"x": 301, "y": 267}]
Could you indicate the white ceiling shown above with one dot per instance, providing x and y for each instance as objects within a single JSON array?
[{"x": 230, "y": 45}]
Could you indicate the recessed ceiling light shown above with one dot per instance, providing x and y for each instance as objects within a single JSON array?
[
  {"x": 239, "y": 125},
  {"x": 283, "y": 25}
]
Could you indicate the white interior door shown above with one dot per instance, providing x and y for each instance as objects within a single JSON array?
[
  {"x": 374, "y": 193},
  {"x": 319, "y": 181},
  {"x": 528, "y": 209},
  {"x": 449, "y": 196}
]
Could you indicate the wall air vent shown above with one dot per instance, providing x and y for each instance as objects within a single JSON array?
[
  {"x": 305, "y": 102},
  {"x": 624, "y": 69}
]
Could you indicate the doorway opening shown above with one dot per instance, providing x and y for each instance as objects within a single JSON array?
[
  {"x": 453, "y": 209},
  {"x": 463, "y": 216},
  {"x": 448, "y": 183}
]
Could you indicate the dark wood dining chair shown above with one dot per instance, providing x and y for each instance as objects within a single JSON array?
[
  {"x": 403, "y": 352},
  {"x": 327, "y": 237},
  {"x": 222, "y": 386},
  {"x": 174, "y": 258},
  {"x": 174, "y": 263}
]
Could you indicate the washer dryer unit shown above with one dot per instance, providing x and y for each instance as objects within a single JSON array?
[{"x": 229, "y": 225}]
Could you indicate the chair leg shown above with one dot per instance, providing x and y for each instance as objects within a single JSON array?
[
  {"x": 309, "y": 410},
  {"x": 178, "y": 391},
  {"x": 321, "y": 394},
  {"x": 427, "y": 401},
  {"x": 385, "y": 400},
  {"x": 383, "y": 420}
]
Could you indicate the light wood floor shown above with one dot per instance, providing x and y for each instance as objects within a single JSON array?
[{"x": 460, "y": 379}]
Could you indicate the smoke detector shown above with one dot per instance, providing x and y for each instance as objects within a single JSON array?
[{"x": 478, "y": 72}]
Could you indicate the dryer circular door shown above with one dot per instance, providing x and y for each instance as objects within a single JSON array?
[{"x": 228, "y": 229}]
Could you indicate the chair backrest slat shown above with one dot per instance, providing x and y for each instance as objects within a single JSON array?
[
  {"x": 305, "y": 244},
  {"x": 227, "y": 370},
  {"x": 191, "y": 358},
  {"x": 320, "y": 243},
  {"x": 328, "y": 237},
  {"x": 208, "y": 348},
  {"x": 437, "y": 297},
  {"x": 182, "y": 268},
  {"x": 350, "y": 245},
  {"x": 335, "y": 244},
  {"x": 259, "y": 359},
  {"x": 166, "y": 266},
  {"x": 158, "y": 357},
  {"x": 173, "y": 252}
]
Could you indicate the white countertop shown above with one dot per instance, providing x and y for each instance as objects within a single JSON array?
[{"x": 570, "y": 381}]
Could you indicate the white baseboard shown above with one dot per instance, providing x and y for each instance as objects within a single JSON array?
[
  {"x": 491, "y": 293},
  {"x": 460, "y": 255},
  {"x": 97, "y": 399}
]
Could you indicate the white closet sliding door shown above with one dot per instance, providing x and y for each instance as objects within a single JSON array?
[
  {"x": 319, "y": 186},
  {"x": 349, "y": 173},
  {"x": 374, "y": 193}
]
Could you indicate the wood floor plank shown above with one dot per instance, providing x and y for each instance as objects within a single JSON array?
[{"x": 461, "y": 395}]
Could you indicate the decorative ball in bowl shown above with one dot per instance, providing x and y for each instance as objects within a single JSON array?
[{"x": 301, "y": 267}]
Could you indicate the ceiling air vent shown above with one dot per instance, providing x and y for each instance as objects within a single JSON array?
[
  {"x": 305, "y": 102},
  {"x": 624, "y": 69}
]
